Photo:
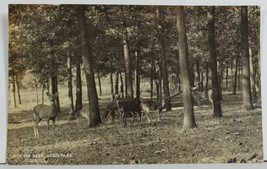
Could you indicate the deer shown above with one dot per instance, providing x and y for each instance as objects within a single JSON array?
[
  {"x": 48, "y": 112},
  {"x": 198, "y": 95},
  {"x": 129, "y": 107},
  {"x": 151, "y": 106}
]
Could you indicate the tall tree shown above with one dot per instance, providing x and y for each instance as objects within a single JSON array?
[
  {"x": 94, "y": 114},
  {"x": 189, "y": 117},
  {"x": 54, "y": 78},
  {"x": 137, "y": 72},
  {"x": 78, "y": 103},
  {"x": 70, "y": 95},
  {"x": 247, "y": 104},
  {"x": 128, "y": 67},
  {"x": 163, "y": 60},
  {"x": 217, "y": 110}
]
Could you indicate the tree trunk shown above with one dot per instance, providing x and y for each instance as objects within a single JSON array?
[
  {"x": 217, "y": 111},
  {"x": 43, "y": 89},
  {"x": 36, "y": 92},
  {"x": 111, "y": 87},
  {"x": 252, "y": 76},
  {"x": 259, "y": 79},
  {"x": 189, "y": 118},
  {"x": 158, "y": 91},
  {"x": 78, "y": 104},
  {"x": 178, "y": 81},
  {"x": 54, "y": 81},
  {"x": 235, "y": 76},
  {"x": 94, "y": 114},
  {"x": 239, "y": 76},
  {"x": 99, "y": 84},
  {"x": 152, "y": 75},
  {"x": 18, "y": 88},
  {"x": 247, "y": 104},
  {"x": 70, "y": 95},
  {"x": 160, "y": 82},
  {"x": 191, "y": 71},
  {"x": 137, "y": 74},
  {"x": 198, "y": 74},
  {"x": 116, "y": 83},
  {"x": 128, "y": 69},
  {"x": 232, "y": 73},
  {"x": 207, "y": 77},
  {"x": 14, "y": 92},
  {"x": 201, "y": 81},
  {"x": 121, "y": 86},
  {"x": 163, "y": 59},
  {"x": 227, "y": 75},
  {"x": 220, "y": 82}
]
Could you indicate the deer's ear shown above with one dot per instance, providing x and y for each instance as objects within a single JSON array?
[{"x": 47, "y": 93}]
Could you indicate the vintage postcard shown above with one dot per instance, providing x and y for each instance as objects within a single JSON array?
[{"x": 134, "y": 84}]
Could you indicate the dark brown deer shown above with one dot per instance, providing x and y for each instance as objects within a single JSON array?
[
  {"x": 45, "y": 112},
  {"x": 128, "y": 107}
]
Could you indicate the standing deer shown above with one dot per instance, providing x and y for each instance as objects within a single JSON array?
[
  {"x": 128, "y": 107},
  {"x": 151, "y": 106},
  {"x": 198, "y": 95},
  {"x": 48, "y": 112}
]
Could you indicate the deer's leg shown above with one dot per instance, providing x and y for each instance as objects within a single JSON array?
[
  {"x": 113, "y": 116},
  {"x": 158, "y": 115},
  {"x": 124, "y": 119},
  {"x": 34, "y": 130},
  {"x": 133, "y": 114},
  {"x": 54, "y": 126},
  {"x": 146, "y": 115}
]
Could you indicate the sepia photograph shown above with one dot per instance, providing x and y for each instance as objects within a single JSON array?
[{"x": 133, "y": 84}]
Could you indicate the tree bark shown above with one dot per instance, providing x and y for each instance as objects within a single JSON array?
[
  {"x": 239, "y": 75},
  {"x": 78, "y": 104},
  {"x": 54, "y": 81},
  {"x": 94, "y": 114},
  {"x": 178, "y": 80},
  {"x": 36, "y": 92},
  {"x": 137, "y": 74},
  {"x": 43, "y": 89},
  {"x": 247, "y": 104},
  {"x": 207, "y": 77},
  {"x": 128, "y": 69},
  {"x": 198, "y": 74},
  {"x": 111, "y": 86},
  {"x": 227, "y": 75},
  {"x": 70, "y": 95},
  {"x": 159, "y": 85},
  {"x": 18, "y": 88},
  {"x": 121, "y": 86},
  {"x": 189, "y": 117},
  {"x": 217, "y": 111},
  {"x": 14, "y": 92},
  {"x": 252, "y": 76},
  {"x": 259, "y": 79},
  {"x": 152, "y": 70},
  {"x": 163, "y": 59},
  {"x": 99, "y": 84},
  {"x": 116, "y": 83},
  {"x": 235, "y": 75}
]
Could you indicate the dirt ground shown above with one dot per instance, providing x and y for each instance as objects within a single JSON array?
[{"x": 237, "y": 137}]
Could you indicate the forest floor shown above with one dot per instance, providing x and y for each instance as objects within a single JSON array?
[{"x": 236, "y": 137}]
